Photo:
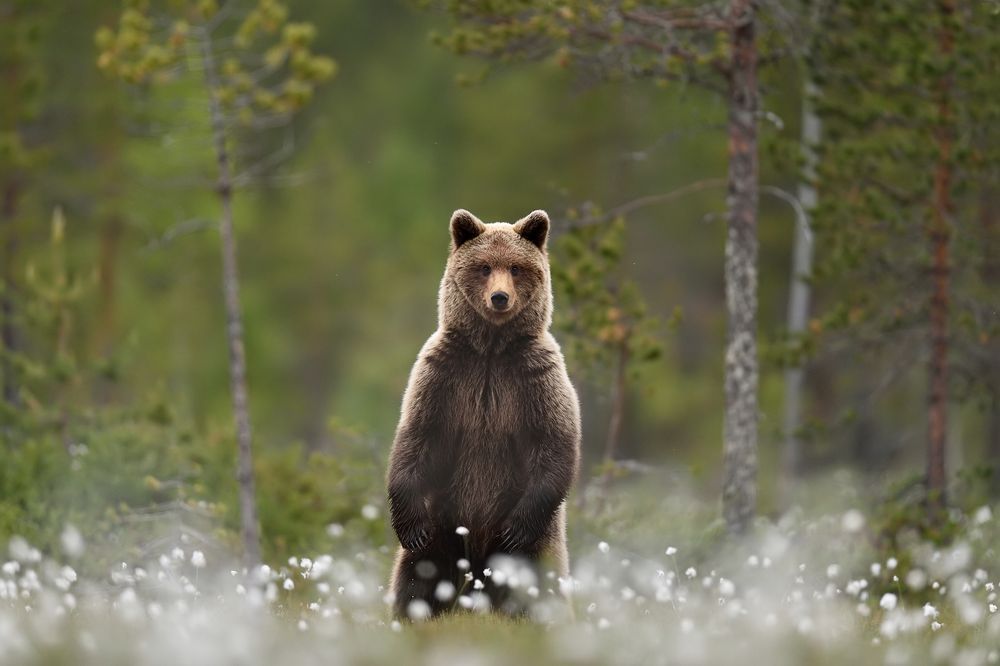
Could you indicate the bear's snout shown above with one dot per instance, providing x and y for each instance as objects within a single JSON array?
[{"x": 500, "y": 300}]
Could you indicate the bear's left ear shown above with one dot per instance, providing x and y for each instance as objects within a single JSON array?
[{"x": 534, "y": 227}]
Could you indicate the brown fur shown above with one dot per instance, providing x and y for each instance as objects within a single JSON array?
[{"x": 489, "y": 434}]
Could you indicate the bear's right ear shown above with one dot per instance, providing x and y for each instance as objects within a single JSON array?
[{"x": 464, "y": 227}]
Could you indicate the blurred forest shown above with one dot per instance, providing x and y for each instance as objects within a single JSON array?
[{"x": 117, "y": 411}]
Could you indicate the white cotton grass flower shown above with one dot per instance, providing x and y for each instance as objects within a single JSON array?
[
  {"x": 369, "y": 512},
  {"x": 198, "y": 559},
  {"x": 445, "y": 591},
  {"x": 916, "y": 579},
  {"x": 72, "y": 541},
  {"x": 461, "y": 530},
  {"x": 604, "y": 547},
  {"x": 289, "y": 584},
  {"x": 418, "y": 610},
  {"x": 891, "y": 563},
  {"x": 335, "y": 530},
  {"x": 670, "y": 551},
  {"x": 888, "y": 601},
  {"x": 852, "y": 521},
  {"x": 984, "y": 514}
]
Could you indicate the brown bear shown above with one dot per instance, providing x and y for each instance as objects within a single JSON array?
[{"x": 488, "y": 442}]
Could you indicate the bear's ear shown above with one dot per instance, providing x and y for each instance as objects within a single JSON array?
[
  {"x": 464, "y": 227},
  {"x": 534, "y": 227}
]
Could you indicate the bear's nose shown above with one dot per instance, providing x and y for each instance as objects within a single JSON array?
[{"x": 499, "y": 300}]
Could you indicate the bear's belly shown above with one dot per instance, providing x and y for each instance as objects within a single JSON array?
[{"x": 486, "y": 454}]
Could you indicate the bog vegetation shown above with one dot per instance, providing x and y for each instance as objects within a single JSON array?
[{"x": 776, "y": 255}]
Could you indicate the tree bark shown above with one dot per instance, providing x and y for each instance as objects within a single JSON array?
[
  {"x": 988, "y": 205},
  {"x": 8, "y": 325},
  {"x": 612, "y": 444},
  {"x": 739, "y": 492},
  {"x": 939, "y": 237},
  {"x": 234, "y": 321},
  {"x": 8, "y": 233},
  {"x": 799, "y": 291}
]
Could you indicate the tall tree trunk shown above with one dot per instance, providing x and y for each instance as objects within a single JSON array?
[
  {"x": 8, "y": 324},
  {"x": 234, "y": 320},
  {"x": 939, "y": 237},
  {"x": 989, "y": 218},
  {"x": 613, "y": 442},
  {"x": 799, "y": 290},
  {"x": 9, "y": 236},
  {"x": 739, "y": 492}
]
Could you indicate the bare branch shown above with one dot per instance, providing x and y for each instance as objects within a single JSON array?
[
  {"x": 801, "y": 218},
  {"x": 181, "y": 229},
  {"x": 646, "y": 201}
]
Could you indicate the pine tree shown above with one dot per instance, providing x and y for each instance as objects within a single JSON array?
[
  {"x": 715, "y": 45},
  {"x": 257, "y": 69},
  {"x": 902, "y": 100}
]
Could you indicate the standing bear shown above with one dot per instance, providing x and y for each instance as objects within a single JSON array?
[{"x": 488, "y": 442}]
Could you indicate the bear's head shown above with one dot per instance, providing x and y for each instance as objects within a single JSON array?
[{"x": 500, "y": 271}]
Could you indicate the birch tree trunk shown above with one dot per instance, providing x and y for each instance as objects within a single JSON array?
[
  {"x": 799, "y": 291},
  {"x": 234, "y": 320},
  {"x": 739, "y": 492}
]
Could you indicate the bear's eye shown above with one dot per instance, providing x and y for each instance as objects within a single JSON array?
[
  {"x": 484, "y": 270},
  {"x": 515, "y": 270}
]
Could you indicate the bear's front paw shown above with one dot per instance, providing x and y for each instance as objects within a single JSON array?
[
  {"x": 517, "y": 536},
  {"x": 415, "y": 536}
]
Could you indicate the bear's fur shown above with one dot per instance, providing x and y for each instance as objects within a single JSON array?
[{"x": 489, "y": 435}]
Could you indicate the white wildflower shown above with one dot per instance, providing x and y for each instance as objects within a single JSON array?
[
  {"x": 690, "y": 572},
  {"x": 930, "y": 611},
  {"x": 198, "y": 559},
  {"x": 853, "y": 521},
  {"x": 461, "y": 530},
  {"x": 335, "y": 530},
  {"x": 445, "y": 591},
  {"x": 369, "y": 512},
  {"x": 891, "y": 563},
  {"x": 603, "y": 547},
  {"x": 289, "y": 584},
  {"x": 983, "y": 515},
  {"x": 72, "y": 541},
  {"x": 888, "y": 601},
  {"x": 418, "y": 610},
  {"x": 916, "y": 579},
  {"x": 671, "y": 551}
]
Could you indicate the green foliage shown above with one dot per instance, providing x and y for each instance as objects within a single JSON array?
[
  {"x": 880, "y": 73},
  {"x": 662, "y": 41},
  {"x": 601, "y": 312},
  {"x": 269, "y": 71}
]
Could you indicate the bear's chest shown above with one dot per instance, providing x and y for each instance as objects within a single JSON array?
[{"x": 487, "y": 399}]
